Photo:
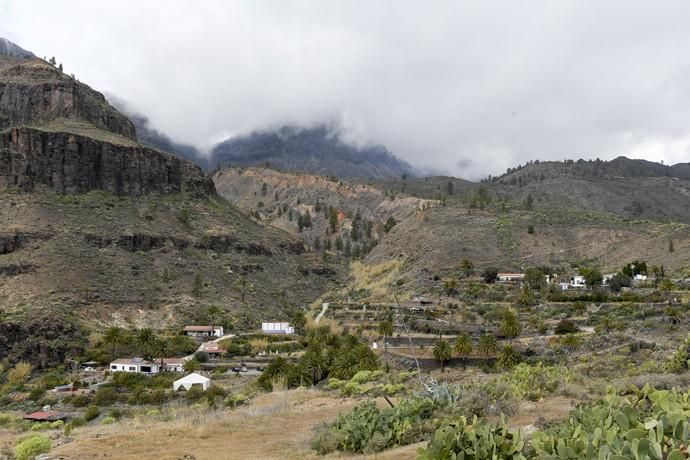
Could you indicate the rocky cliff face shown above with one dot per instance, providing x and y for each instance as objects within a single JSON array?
[
  {"x": 34, "y": 92},
  {"x": 70, "y": 164}
]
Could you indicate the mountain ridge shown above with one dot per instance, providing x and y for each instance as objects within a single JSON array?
[{"x": 315, "y": 150}]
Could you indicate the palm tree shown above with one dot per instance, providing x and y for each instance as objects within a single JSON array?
[
  {"x": 191, "y": 365},
  {"x": 487, "y": 344},
  {"x": 113, "y": 338},
  {"x": 508, "y": 357},
  {"x": 463, "y": 347},
  {"x": 161, "y": 348},
  {"x": 527, "y": 295},
  {"x": 510, "y": 326},
  {"x": 450, "y": 287},
  {"x": 442, "y": 352},
  {"x": 146, "y": 340},
  {"x": 386, "y": 330},
  {"x": 571, "y": 342},
  {"x": 315, "y": 362}
]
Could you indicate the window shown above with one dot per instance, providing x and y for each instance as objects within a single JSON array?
[
  {"x": 113, "y": 367},
  {"x": 132, "y": 368}
]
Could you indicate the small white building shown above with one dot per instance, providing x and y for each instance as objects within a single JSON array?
[
  {"x": 578, "y": 281},
  {"x": 203, "y": 331},
  {"x": 136, "y": 365},
  {"x": 606, "y": 279},
  {"x": 190, "y": 381},
  {"x": 173, "y": 364},
  {"x": 277, "y": 328},
  {"x": 510, "y": 277},
  {"x": 212, "y": 349}
]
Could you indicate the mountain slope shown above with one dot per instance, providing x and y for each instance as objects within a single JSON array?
[
  {"x": 9, "y": 49},
  {"x": 630, "y": 188},
  {"x": 97, "y": 229},
  {"x": 315, "y": 150},
  {"x": 279, "y": 198}
]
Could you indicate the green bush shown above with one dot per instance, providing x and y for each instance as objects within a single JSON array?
[
  {"x": 30, "y": 447},
  {"x": 108, "y": 420},
  {"x": 369, "y": 429},
  {"x": 565, "y": 326},
  {"x": 77, "y": 422},
  {"x": 91, "y": 413},
  {"x": 80, "y": 401},
  {"x": 105, "y": 396},
  {"x": 535, "y": 382}
]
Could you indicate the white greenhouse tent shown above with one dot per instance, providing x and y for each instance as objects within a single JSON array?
[{"x": 188, "y": 381}]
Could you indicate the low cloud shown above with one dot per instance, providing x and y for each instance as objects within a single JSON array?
[{"x": 463, "y": 88}]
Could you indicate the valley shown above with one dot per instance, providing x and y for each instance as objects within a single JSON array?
[{"x": 325, "y": 300}]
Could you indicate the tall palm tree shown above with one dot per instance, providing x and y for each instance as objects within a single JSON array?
[
  {"x": 487, "y": 344},
  {"x": 508, "y": 357},
  {"x": 463, "y": 347},
  {"x": 113, "y": 338},
  {"x": 442, "y": 352},
  {"x": 510, "y": 326},
  {"x": 386, "y": 330},
  {"x": 161, "y": 348},
  {"x": 191, "y": 365},
  {"x": 146, "y": 340}
]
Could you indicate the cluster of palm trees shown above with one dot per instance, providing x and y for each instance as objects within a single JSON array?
[
  {"x": 150, "y": 345},
  {"x": 464, "y": 347},
  {"x": 327, "y": 355},
  {"x": 145, "y": 339},
  {"x": 509, "y": 327}
]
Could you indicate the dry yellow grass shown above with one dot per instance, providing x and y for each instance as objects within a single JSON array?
[
  {"x": 275, "y": 426},
  {"x": 376, "y": 278}
]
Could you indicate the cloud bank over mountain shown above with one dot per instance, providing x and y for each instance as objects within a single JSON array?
[{"x": 466, "y": 89}]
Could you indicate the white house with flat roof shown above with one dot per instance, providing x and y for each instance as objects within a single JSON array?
[
  {"x": 136, "y": 365},
  {"x": 510, "y": 277},
  {"x": 277, "y": 328}
]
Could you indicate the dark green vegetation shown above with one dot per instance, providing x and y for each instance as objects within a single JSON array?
[
  {"x": 326, "y": 355},
  {"x": 640, "y": 423}
]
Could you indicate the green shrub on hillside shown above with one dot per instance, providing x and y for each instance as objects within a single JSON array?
[{"x": 30, "y": 447}]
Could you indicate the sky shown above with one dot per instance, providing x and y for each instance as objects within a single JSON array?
[{"x": 465, "y": 88}]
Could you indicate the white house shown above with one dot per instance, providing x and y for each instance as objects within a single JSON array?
[
  {"x": 607, "y": 278},
  {"x": 136, "y": 365},
  {"x": 189, "y": 381},
  {"x": 204, "y": 331},
  {"x": 212, "y": 349},
  {"x": 173, "y": 364},
  {"x": 510, "y": 277},
  {"x": 578, "y": 281},
  {"x": 277, "y": 328}
]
